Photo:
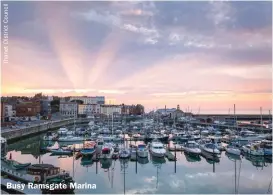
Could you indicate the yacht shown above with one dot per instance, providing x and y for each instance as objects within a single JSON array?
[
  {"x": 89, "y": 148},
  {"x": 191, "y": 147},
  {"x": 253, "y": 149},
  {"x": 178, "y": 135},
  {"x": 60, "y": 151},
  {"x": 157, "y": 149},
  {"x": 124, "y": 153},
  {"x": 108, "y": 138},
  {"x": 71, "y": 138},
  {"x": 62, "y": 131},
  {"x": 107, "y": 150},
  {"x": 209, "y": 148},
  {"x": 232, "y": 149},
  {"x": 100, "y": 144},
  {"x": 142, "y": 151},
  {"x": 266, "y": 145},
  {"x": 50, "y": 136}
]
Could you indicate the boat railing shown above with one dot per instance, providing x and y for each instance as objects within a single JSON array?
[{"x": 16, "y": 173}]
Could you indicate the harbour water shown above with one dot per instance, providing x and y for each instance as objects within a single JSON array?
[{"x": 186, "y": 175}]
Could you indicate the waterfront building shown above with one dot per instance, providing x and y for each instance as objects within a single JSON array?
[
  {"x": 177, "y": 113},
  {"x": 28, "y": 108},
  {"x": 89, "y": 99},
  {"x": 88, "y": 109},
  {"x": 165, "y": 111},
  {"x": 125, "y": 109},
  {"x": 110, "y": 109},
  {"x": 69, "y": 109},
  {"x": 45, "y": 108},
  {"x": 171, "y": 112},
  {"x": 9, "y": 112}
]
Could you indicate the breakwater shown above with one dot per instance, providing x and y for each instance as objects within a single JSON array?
[{"x": 18, "y": 133}]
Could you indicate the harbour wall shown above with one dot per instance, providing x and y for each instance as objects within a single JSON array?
[{"x": 19, "y": 133}]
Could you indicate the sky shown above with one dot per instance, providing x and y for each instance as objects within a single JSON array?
[{"x": 203, "y": 56}]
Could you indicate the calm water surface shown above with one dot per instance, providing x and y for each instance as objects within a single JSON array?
[{"x": 190, "y": 175}]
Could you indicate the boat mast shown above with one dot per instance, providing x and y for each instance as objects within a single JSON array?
[
  {"x": 74, "y": 123},
  {"x": 261, "y": 118},
  {"x": 235, "y": 118},
  {"x": 112, "y": 122}
]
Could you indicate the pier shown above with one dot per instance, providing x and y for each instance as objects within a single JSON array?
[{"x": 18, "y": 133}]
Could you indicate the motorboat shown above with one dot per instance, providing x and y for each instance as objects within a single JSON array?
[
  {"x": 266, "y": 145},
  {"x": 62, "y": 131},
  {"x": 91, "y": 123},
  {"x": 80, "y": 131},
  {"x": 61, "y": 151},
  {"x": 124, "y": 153},
  {"x": 219, "y": 145},
  {"x": 89, "y": 148},
  {"x": 253, "y": 149},
  {"x": 71, "y": 138},
  {"x": 191, "y": 147},
  {"x": 110, "y": 138},
  {"x": 142, "y": 151},
  {"x": 100, "y": 144},
  {"x": 177, "y": 135},
  {"x": 232, "y": 149},
  {"x": 16, "y": 165},
  {"x": 157, "y": 149},
  {"x": 209, "y": 148},
  {"x": 162, "y": 138},
  {"x": 50, "y": 136},
  {"x": 107, "y": 150}
]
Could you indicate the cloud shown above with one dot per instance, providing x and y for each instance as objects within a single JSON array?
[
  {"x": 136, "y": 12},
  {"x": 111, "y": 91}
]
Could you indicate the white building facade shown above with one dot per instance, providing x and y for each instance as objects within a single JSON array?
[
  {"x": 8, "y": 111},
  {"x": 110, "y": 109},
  {"x": 69, "y": 109},
  {"x": 90, "y": 100},
  {"x": 88, "y": 109}
]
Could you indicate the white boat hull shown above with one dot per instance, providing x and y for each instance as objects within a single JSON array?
[
  {"x": 259, "y": 152},
  {"x": 195, "y": 151},
  {"x": 210, "y": 151},
  {"x": 71, "y": 140},
  {"x": 142, "y": 154},
  {"x": 107, "y": 155},
  {"x": 233, "y": 151},
  {"x": 158, "y": 154}
]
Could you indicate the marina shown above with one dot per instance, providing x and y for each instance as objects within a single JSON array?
[
  {"x": 143, "y": 97},
  {"x": 106, "y": 151}
]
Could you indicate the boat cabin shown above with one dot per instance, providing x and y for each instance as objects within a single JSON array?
[
  {"x": 105, "y": 151},
  {"x": 41, "y": 172}
]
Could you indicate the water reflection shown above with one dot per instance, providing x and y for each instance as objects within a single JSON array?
[
  {"x": 192, "y": 158},
  {"x": 86, "y": 161},
  {"x": 105, "y": 163},
  {"x": 119, "y": 176},
  {"x": 233, "y": 156},
  {"x": 143, "y": 161}
]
